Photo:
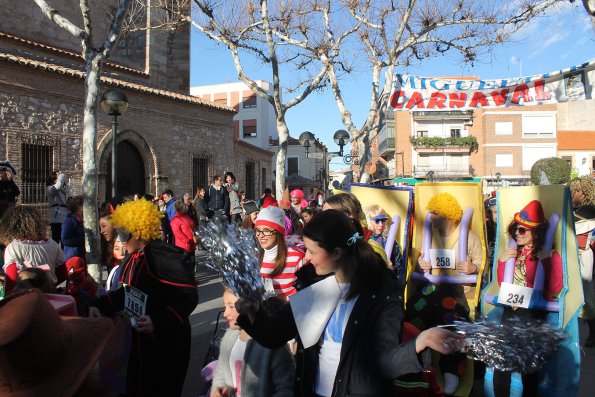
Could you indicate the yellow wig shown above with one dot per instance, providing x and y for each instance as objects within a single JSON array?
[
  {"x": 140, "y": 218},
  {"x": 444, "y": 204}
]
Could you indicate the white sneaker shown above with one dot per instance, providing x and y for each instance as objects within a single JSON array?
[{"x": 451, "y": 383}]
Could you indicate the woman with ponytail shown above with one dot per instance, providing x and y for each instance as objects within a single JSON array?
[{"x": 359, "y": 351}]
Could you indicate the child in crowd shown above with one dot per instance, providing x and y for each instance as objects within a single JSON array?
[
  {"x": 80, "y": 285},
  {"x": 247, "y": 369},
  {"x": 33, "y": 277},
  {"x": 119, "y": 252}
]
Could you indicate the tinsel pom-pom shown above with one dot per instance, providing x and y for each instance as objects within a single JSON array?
[
  {"x": 233, "y": 252},
  {"x": 515, "y": 345}
]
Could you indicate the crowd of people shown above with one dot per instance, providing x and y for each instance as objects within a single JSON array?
[{"x": 369, "y": 340}]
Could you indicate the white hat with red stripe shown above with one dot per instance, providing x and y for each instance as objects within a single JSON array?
[{"x": 273, "y": 217}]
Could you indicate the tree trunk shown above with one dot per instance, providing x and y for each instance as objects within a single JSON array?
[
  {"x": 283, "y": 132},
  {"x": 90, "y": 197}
]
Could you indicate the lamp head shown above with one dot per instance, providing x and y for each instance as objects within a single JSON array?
[
  {"x": 341, "y": 137},
  {"x": 114, "y": 102}
]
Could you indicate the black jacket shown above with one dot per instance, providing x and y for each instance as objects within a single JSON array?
[
  {"x": 157, "y": 363},
  {"x": 216, "y": 200},
  {"x": 371, "y": 354}
]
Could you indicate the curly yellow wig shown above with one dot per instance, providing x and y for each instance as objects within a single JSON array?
[
  {"x": 446, "y": 205},
  {"x": 140, "y": 218}
]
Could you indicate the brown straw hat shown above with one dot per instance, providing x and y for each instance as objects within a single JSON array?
[{"x": 43, "y": 354}]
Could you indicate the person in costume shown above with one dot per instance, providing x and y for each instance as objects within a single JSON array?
[
  {"x": 44, "y": 354},
  {"x": 377, "y": 223},
  {"x": 350, "y": 205},
  {"x": 159, "y": 296},
  {"x": 528, "y": 228},
  {"x": 297, "y": 200},
  {"x": 118, "y": 254},
  {"x": 443, "y": 303},
  {"x": 583, "y": 201},
  {"x": 246, "y": 367},
  {"x": 279, "y": 261},
  {"x": 30, "y": 246},
  {"x": 80, "y": 285},
  {"x": 359, "y": 351}
]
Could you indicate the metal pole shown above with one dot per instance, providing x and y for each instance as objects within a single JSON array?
[{"x": 114, "y": 145}]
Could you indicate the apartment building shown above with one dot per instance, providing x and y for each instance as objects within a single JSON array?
[
  {"x": 497, "y": 145},
  {"x": 254, "y": 122}
]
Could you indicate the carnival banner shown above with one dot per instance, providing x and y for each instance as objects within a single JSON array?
[{"x": 427, "y": 93}]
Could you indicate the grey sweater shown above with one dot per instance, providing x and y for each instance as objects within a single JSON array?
[{"x": 266, "y": 372}]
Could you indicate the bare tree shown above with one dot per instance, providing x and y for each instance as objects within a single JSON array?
[
  {"x": 590, "y": 8},
  {"x": 249, "y": 29},
  {"x": 94, "y": 55},
  {"x": 397, "y": 34}
]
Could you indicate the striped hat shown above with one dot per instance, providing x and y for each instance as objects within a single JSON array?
[{"x": 272, "y": 217}]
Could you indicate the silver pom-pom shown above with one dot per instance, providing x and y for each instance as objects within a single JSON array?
[
  {"x": 233, "y": 252},
  {"x": 515, "y": 345}
]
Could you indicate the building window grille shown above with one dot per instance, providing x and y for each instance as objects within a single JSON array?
[
  {"x": 422, "y": 133},
  {"x": 455, "y": 132},
  {"x": 201, "y": 171},
  {"x": 36, "y": 167}
]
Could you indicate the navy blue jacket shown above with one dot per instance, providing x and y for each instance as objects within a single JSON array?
[{"x": 73, "y": 237}]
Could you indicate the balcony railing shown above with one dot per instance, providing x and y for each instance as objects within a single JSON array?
[
  {"x": 443, "y": 172},
  {"x": 434, "y": 142}
]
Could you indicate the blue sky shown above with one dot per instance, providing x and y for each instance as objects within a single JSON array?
[{"x": 561, "y": 39}]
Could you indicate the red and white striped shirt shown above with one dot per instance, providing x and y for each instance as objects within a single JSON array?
[{"x": 284, "y": 281}]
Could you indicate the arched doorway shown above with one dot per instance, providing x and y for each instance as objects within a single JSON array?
[{"x": 130, "y": 172}]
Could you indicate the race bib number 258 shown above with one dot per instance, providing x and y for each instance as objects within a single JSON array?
[{"x": 442, "y": 258}]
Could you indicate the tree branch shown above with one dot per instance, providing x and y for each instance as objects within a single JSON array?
[
  {"x": 88, "y": 39},
  {"x": 116, "y": 26},
  {"x": 64, "y": 23}
]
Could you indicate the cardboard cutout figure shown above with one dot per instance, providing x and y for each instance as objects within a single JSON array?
[
  {"x": 536, "y": 275},
  {"x": 397, "y": 205},
  {"x": 446, "y": 265}
]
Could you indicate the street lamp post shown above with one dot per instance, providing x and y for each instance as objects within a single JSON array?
[{"x": 114, "y": 103}]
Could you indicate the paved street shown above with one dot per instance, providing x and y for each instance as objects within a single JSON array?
[{"x": 203, "y": 322}]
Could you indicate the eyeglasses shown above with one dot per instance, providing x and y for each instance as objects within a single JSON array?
[
  {"x": 521, "y": 230},
  {"x": 264, "y": 232},
  {"x": 379, "y": 220}
]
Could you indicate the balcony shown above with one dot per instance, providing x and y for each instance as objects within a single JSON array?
[
  {"x": 432, "y": 144},
  {"x": 386, "y": 146},
  {"x": 444, "y": 172}
]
